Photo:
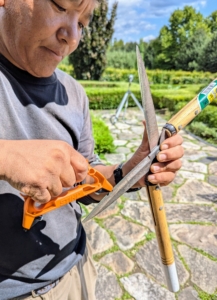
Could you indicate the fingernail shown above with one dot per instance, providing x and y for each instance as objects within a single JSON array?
[
  {"x": 155, "y": 168},
  {"x": 164, "y": 147},
  {"x": 151, "y": 178},
  {"x": 162, "y": 157}
]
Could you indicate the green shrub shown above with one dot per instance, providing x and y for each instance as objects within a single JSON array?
[
  {"x": 204, "y": 131},
  {"x": 209, "y": 116},
  {"x": 102, "y": 137},
  {"x": 161, "y": 76}
]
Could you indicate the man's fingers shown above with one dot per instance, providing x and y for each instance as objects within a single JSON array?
[
  {"x": 166, "y": 167},
  {"x": 40, "y": 195},
  {"x": 80, "y": 165},
  {"x": 171, "y": 142},
  {"x": 170, "y": 154},
  {"x": 68, "y": 177},
  {"x": 162, "y": 178}
]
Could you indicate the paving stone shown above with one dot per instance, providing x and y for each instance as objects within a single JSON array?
[
  {"x": 122, "y": 125},
  {"x": 213, "y": 168},
  {"x": 134, "y": 144},
  {"x": 127, "y": 233},
  {"x": 111, "y": 210},
  {"x": 124, "y": 150},
  {"x": 189, "y": 145},
  {"x": 190, "y": 175},
  {"x": 194, "y": 166},
  {"x": 118, "y": 262},
  {"x": 212, "y": 180},
  {"x": 190, "y": 213},
  {"x": 179, "y": 180},
  {"x": 148, "y": 258},
  {"x": 115, "y": 158},
  {"x": 197, "y": 192},
  {"x": 202, "y": 269},
  {"x": 188, "y": 294},
  {"x": 99, "y": 239},
  {"x": 116, "y": 131},
  {"x": 140, "y": 288},
  {"x": 140, "y": 212},
  {"x": 127, "y": 136},
  {"x": 138, "y": 130},
  {"x": 132, "y": 196},
  {"x": 213, "y": 154},
  {"x": 191, "y": 154},
  {"x": 167, "y": 192},
  {"x": 119, "y": 142},
  {"x": 107, "y": 287},
  {"x": 197, "y": 236},
  {"x": 143, "y": 194},
  {"x": 187, "y": 137},
  {"x": 210, "y": 148},
  {"x": 207, "y": 160}
]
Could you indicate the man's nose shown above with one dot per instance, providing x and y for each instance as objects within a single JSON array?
[{"x": 70, "y": 33}]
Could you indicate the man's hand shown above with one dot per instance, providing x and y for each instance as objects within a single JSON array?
[
  {"x": 41, "y": 168},
  {"x": 168, "y": 164}
]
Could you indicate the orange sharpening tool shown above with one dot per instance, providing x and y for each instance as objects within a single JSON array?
[{"x": 31, "y": 211}]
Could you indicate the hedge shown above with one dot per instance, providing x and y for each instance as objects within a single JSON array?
[
  {"x": 109, "y": 95},
  {"x": 155, "y": 76}
]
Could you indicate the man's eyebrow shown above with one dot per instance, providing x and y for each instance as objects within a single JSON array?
[{"x": 88, "y": 16}]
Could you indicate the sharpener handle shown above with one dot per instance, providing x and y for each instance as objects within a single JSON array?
[{"x": 31, "y": 211}]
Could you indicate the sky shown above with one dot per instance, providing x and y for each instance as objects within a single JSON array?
[{"x": 143, "y": 19}]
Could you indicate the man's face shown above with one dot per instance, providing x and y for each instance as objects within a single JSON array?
[{"x": 35, "y": 35}]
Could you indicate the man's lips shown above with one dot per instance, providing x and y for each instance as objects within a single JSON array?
[{"x": 58, "y": 55}]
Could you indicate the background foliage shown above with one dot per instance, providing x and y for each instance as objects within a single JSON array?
[
  {"x": 89, "y": 60},
  {"x": 103, "y": 139}
]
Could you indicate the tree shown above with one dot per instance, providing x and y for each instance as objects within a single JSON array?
[
  {"x": 212, "y": 21},
  {"x": 117, "y": 45},
  {"x": 208, "y": 57},
  {"x": 182, "y": 25},
  {"x": 89, "y": 60},
  {"x": 190, "y": 51},
  {"x": 151, "y": 51}
]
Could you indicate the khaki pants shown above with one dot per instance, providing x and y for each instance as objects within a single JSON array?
[{"x": 78, "y": 284}]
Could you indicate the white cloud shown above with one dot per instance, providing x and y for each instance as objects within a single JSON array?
[
  {"x": 149, "y": 38},
  {"x": 136, "y": 19}
]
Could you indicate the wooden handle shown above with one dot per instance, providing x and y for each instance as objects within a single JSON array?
[
  {"x": 193, "y": 108},
  {"x": 160, "y": 222},
  {"x": 163, "y": 236}
]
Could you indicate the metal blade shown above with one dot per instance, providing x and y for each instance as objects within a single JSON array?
[
  {"x": 126, "y": 183},
  {"x": 147, "y": 102}
]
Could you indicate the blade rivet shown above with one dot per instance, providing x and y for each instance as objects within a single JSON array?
[{"x": 161, "y": 208}]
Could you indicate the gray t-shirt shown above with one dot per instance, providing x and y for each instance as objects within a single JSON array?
[{"x": 54, "y": 108}]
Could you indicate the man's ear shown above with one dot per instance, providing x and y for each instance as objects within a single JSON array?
[{"x": 2, "y": 2}]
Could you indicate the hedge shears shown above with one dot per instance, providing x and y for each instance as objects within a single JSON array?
[{"x": 172, "y": 127}]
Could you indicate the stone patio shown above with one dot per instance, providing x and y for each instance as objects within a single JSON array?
[{"x": 123, "y": 238}]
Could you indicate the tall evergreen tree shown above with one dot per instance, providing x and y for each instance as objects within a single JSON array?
[
  {"x": 190, "y": 51},
  {"x": 208, "y": 57},
  {"x": 89, "y": 60}
]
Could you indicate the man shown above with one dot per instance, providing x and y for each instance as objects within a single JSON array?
[{"x": 45, "y": 139}]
